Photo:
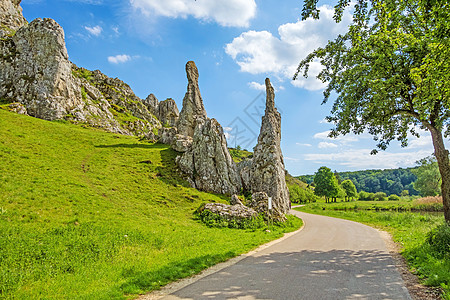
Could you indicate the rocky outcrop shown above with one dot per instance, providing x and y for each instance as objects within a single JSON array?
[
  {"x": 193, "y": 109},
  {"x": 235, "y": 200},
  {"x": 36, "y": 73},
  {"x": 260, "y": 203},
  {"x": 151, "y": 102},
  {"x": 219, "y": 214},
  {"x": 208, "y": 163},
  {"x": 167, "y": 112},
  {"x": 267, "y": 173},
  {"x": 11, "y": 17},
  {"x": 244, "y": 168}
]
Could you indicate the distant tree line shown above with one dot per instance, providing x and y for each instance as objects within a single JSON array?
[{"x": 391, "y": 181}]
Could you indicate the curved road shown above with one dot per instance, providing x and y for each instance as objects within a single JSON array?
[{"x": 329, "y": 259}]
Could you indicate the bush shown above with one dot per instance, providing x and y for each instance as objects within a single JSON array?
[
  {"x": 439, "y": 240},
  {"x": 394, "y": 197},
  {"x": 380, "y": 196}
]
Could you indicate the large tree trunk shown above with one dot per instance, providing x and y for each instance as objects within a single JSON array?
[{"x": 444, "y": 168}]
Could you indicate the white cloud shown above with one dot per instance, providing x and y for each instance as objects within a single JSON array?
[
  {"x": 257, "y": 86},
  {"x": 325, "y": 145},
  {"x": 234, "y": 13},
  {"x": 361, "y": 159},
  {"x": 345, "y": 139},
  {"x": 261, "y": 52},
  {"x": 96, "y": 30},
  {"x": 304, "y": 145},
  {"x": 121, "y": 58}
]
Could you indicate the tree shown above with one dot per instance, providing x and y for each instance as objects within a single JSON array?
[
  {"x": 390, "y": 73},
  {"x": 349, "y": 188},
  {"x": 326, "y": 184},
  {"x": 428, "y": 177}
]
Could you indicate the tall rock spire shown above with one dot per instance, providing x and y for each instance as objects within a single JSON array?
[
  {"x": 267, "y": 173},
  {"x": 193, "y": 108}
]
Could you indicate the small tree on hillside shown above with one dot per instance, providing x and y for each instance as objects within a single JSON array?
[
  {"x": 326, "y": 184},
  {"x": 350, "y": 189}
]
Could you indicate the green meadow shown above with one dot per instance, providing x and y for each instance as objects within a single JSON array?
[{"x": 86, "y": 214}]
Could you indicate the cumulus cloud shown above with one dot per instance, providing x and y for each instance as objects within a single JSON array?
[
  {"x": 361, "y": 159},
  {"x": 325, "y": 145},
  {"x": 257, "y": 86},
  {"x": 345, "y": 139},
  {"x": 96, "y": 30},
  {"x": 233, "y": 13},
  {"x": 118, "y": 59},
  {"x": 261, "y": 52},
  {"x": 303, "y": 145}
]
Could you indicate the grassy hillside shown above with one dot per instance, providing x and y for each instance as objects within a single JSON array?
[{"x": 86, "y": 214}]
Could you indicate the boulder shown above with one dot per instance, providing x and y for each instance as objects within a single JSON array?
[
  {"x": 193, "y": 110},
  {"x": 238, "y": 213},
  {"x": 181, "y": 143},
  {"x": 208, "y": 163},
  {"x": 235, "y": 200},
  {"x": 267, "y": 173},
  {"x": 260, "y": 203}
]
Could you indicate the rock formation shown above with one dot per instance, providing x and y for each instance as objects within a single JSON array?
[
  {"x": 152, "y": 104},
  {"x": 193, "y": 109},
  {"x": 237, "y": 214},
  {"x": 37, "y": 78},
  {"x": 11, "y": 17},
  {"x": 167, "y": 113},
  {"x": 267, "y": 173},
  {"x": 208, "y": 163}
]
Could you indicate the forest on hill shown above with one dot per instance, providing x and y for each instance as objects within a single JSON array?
[{"x": 389, "y": 181}]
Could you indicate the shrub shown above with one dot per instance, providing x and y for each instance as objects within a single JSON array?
[
  {"x": 394, "y": 197},
  {"x": 380, "y": 196},
  {"x": 439, "y": 240}
]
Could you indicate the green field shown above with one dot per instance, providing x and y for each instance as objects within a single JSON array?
[
  {"x": 409, "y": 229},
  {"x": 86, "y": 214}
]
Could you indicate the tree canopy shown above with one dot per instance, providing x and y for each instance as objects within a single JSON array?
[
  {"x": 428, "y": 177},
  {"x": 326, "y": 184},
  {"x": 390, "y": 73},
  {"x": 349, "y": 188}
]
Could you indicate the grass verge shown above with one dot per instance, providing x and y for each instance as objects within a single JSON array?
[
  {"x": 408, "y": 229},
  {"x": 86, "y": 214}
]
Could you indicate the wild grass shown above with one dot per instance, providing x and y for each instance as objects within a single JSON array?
[
  {"x": 410, "y": 229},
  {"x": 92, "y": 215}
]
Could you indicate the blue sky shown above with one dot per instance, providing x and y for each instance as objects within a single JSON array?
[{"x": 236, "y": 44}]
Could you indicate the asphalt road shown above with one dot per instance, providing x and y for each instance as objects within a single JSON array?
[{"x": 329, "y": 259}]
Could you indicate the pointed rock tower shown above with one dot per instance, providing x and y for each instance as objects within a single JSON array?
[
  {"x": 267, "y": 173},
  {"x": 193, "y": 108}
]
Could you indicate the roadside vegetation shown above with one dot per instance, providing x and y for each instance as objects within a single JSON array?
[
  {"x": 424, "y": 238},
  {"x": 86, "y": 214}
]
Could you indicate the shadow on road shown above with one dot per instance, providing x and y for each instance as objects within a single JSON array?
[{"x": 337, "y": 274}]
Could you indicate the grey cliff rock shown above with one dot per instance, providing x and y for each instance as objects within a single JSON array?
[
  {"x": 244, "y": 168},
  {"x": 208, "y": 163},
  {"x": 36, "y": 73},
  {"x": 193, "y": 109},
  {"x": 152, "y": 104},
  {"x": 267, "y": 172},
  {"x": 168, "y": 112},
  {"x": 181, "y": 143},
  {"x": 11, "y": 17},
  {"x": 260, "y": 203}
]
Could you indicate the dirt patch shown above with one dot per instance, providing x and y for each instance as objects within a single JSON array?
[{"x": 412, "y": 282}]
